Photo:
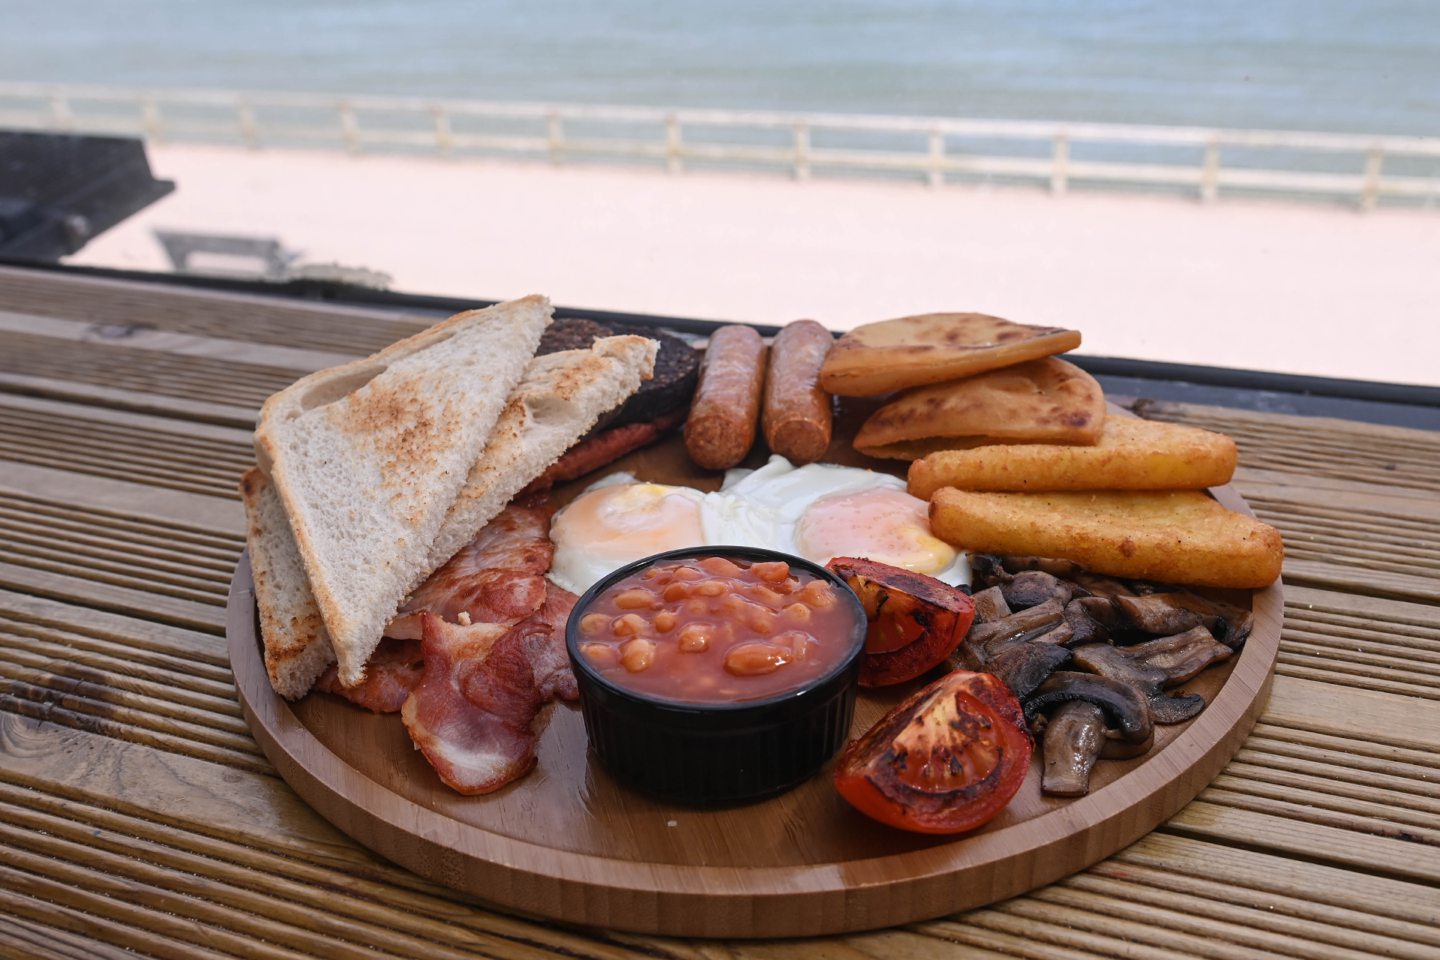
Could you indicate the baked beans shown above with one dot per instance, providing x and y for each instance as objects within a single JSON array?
[{"x": 714, "y": 629}]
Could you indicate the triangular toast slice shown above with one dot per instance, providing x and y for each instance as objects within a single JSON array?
[
  {"x": 559, "y": 399},
  {"x": 368, "y": 458},
  {"x": 561, "y": 396},
  {"x": 297, "y": 648}
]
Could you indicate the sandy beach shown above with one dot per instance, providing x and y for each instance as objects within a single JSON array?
[{"x": 1269, "y": 285}]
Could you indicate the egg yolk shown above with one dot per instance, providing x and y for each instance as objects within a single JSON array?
[
  {"x": 632, "y": 519},
  {"x": 885, "y": 525}
]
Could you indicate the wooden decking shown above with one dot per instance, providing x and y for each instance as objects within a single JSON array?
[{"x": 137, "y": 815}]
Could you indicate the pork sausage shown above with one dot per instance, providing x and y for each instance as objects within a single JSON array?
[
  {"x": 796, "y": 412},
  {"x": 721, "y": 427}
]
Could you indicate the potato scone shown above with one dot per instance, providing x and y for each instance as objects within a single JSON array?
[
  {"x": 1176, "y": 536},
  {"x": 931, "y": 348},
  {"x": 1042, "y": 401},
  {"x": 1132, "y": 454}
]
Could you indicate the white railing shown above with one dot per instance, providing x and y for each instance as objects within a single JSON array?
[{"x": 938, "y": 149}]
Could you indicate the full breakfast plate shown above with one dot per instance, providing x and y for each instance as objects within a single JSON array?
[{"x": 569, "y": 843}]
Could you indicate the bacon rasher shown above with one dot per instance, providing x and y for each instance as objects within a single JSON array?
[
  {"x": 483, "y": 685},
  {"x": 497, "y": 577},
  {"x": 390, "y": 674}
]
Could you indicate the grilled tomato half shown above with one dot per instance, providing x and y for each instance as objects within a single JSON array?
[
  {"x": 915, "y": 621},
  {"x": 946, "y": 760}
]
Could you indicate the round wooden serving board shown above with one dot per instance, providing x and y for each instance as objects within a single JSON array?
[{"x": 568, "y": 843}]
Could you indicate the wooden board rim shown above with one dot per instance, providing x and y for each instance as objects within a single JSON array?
[{"x": 685, "y": 900}]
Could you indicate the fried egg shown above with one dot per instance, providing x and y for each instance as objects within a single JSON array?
[
  {"x": 818, "y": 511},
  {"x": 619, "y": 520}
]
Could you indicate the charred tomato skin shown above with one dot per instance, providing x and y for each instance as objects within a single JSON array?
[
  {"x": 915, "y": 621},
  {"x": 946, "y": 760}
]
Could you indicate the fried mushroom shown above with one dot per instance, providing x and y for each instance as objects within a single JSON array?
[
  {"x": 1074, "y": 738},
  {"x": 1125, "y": 707},
  {"x": 1025, "y": 666}
]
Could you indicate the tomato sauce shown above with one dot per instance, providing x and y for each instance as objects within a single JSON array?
[{"x": 716, "y": 630}]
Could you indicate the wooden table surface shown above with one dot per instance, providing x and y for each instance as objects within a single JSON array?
[{"x": 138, "y": 816}]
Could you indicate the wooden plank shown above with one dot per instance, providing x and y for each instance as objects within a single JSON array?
[
  {"x": 179, "y": 455},
  {"x": 1322, "y": 452},
  {"x": 250, "y": 317},
  {"x": 144, "y": 337},
  {"x": 145, "y": 551},
  {"x": 217, "y": 437},
  {"x": 22, "y": 939},
  {"x": 207, "y": 388},
  {"x": 1360, "y": 714},
  {"x": 179, "y": 818},
  {"x": 240, "y": 414},
  {"x": 1370, "y": 643},
  {"x": 205, "y": 518}
]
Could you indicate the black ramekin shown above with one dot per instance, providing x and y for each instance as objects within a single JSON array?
[{"x": 723, "y": 752}]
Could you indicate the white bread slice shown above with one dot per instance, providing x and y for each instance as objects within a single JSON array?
[
  {"x": 560, "y": 398},
  {"x": 369, "y": 456},
  {"x": 297, "y": 648}
]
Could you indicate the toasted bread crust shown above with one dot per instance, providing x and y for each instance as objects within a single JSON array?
[
  {"x": 367, "y": 458},
  {"x": 296, "y": 646}
]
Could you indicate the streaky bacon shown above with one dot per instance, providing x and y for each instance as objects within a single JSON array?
[
  {"x": 471, "y": 712},
  {"x": 497, "y": 577},
  {"x": 390, "y": 674},
  {"x": 549, "y": 660},
  {"x": 483, "y": 685}
]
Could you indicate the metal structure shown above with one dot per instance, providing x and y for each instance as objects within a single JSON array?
[{"x": 1057, "y": 156}]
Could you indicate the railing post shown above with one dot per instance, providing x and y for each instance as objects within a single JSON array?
[
  {"x": 554, "y": 135},
  {"x": 349, "y": 128},
  {"x": 1210, "y": 173},
  {"x": 1370, "y": 193},
  {"x": 60, "y": 116},
  {"x": 248, "y": 133},
  {"x": 154, "y": 126},
  {"x": 444, "y": 136},
  {"x": 1060, "y": 174},
  {"x": 802, "y": 151},
  {"x": 672, "y": 143},
  {"x": 937, "y": 157}
]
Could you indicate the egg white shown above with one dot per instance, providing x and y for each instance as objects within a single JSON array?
[{"x": 753, "y": 508}]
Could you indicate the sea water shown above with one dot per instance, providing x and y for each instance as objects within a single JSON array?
[{"x": 1359, "y": 66}]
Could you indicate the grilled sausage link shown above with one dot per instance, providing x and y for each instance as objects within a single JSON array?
[
  {"x": 796, "y": 413},
  {"x": 721, "y": 427}
]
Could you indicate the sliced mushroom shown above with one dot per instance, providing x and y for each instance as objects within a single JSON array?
[
  {"x": 1163, "y": 614},
  {"x": 1056, "y": 568},
  {"x": 1109, "y": 662},
  {"x": 1059, "y": 635},
  {"x": 1125, "y": 706},
  {"x": 988, "y": 638},
  {"x": 1231, "y": 624},
  {"x": 1097, "y": 586},
  {"x": 1083, "y": 627},
  {"x": 1025, "y": 666},
  {"x": 1179, "y": 657},
  {"x": 987, "y": 570},
  {"x": 990, "y": 605},
  {"x": 1034, "y": 587},
  {"x": 1074, "y": 738},
  {"x": 1118, "y": 748},
  {"x": 1165, "y": 709},
  {"x": 1102, "y": 610}
]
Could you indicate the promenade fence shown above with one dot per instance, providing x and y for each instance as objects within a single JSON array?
[{"x": 1204, "y": 162}]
